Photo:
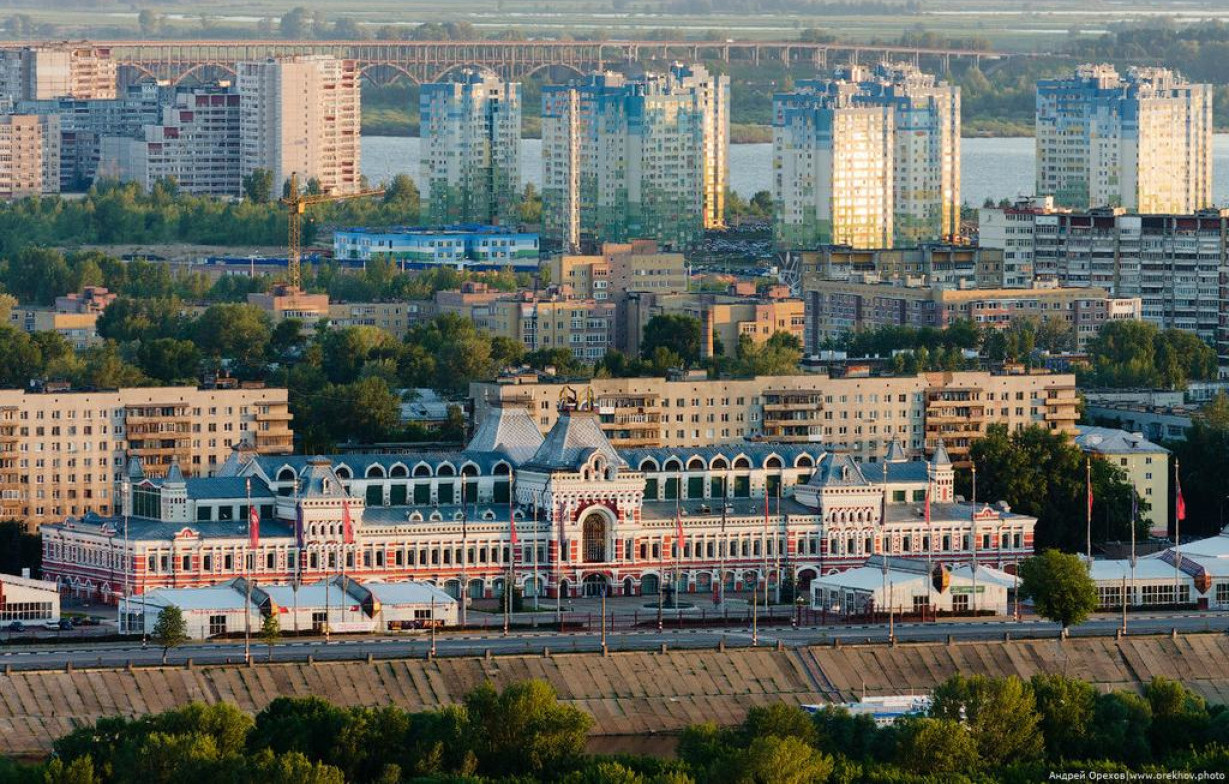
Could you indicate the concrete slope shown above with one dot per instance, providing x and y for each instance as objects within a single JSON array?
[{"x": 628, "y": 694}]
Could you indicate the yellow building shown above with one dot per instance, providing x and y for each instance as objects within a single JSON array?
[
  {"x": 64, "y": 453},
  {"x": 1146, "y": 465},
  {"x": 861, "y": 416}
]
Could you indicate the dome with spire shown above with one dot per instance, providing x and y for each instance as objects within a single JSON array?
[{"x": 940, "y": 457}]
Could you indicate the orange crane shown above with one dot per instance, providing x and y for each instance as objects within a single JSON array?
[{"x": 298, "y": 203}]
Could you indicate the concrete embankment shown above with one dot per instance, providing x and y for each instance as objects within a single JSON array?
[{"x": 628, "y": 694}]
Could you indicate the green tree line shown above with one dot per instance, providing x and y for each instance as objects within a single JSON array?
[{"x": 978, "y": 729}]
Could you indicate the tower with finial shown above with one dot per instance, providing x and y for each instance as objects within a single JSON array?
[{"x": 942, "y": 476}]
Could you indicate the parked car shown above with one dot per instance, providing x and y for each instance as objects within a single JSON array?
[
  {"x": 64, "y": 625},
  {"x": 17, "y": 626}
]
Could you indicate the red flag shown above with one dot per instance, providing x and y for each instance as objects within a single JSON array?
[
  {"x": 678, "y": 530},
  {"x": 512, "y": 519},
  {"x": 253, "y": 526},
  {"x": 1090, "y": 498},
  {"x": 347, "y": 524},
  {"x": 1181, "y": 503}
]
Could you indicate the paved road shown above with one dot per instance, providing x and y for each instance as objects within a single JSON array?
[{"x": 55, "y": 655}]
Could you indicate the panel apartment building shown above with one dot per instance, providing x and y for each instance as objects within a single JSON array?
[
  {"x": 628, "y": 159},
  {"x": 1173, "y": 263},
  {"x": 300, "y": 115},
  {"x": 61, "y": 70},
  {"x": 196, "y": 143},
  {"x": 29, "y": 156},
  {"x": 471, "y": 136},
  {"x": 63, "y": 453},
  {"x": 860, "y": 416},
  {"x": 1142, "y": 140},
  {"x": 869, "y": 158}
]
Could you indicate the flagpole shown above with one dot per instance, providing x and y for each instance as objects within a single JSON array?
[
  {"x": 930, "y": 544},
  {"x": 1179, "y": 513},
  {"x": 780, "y": 545},
  {"x": 764, "y": 544},
  {"x": 464, "y": 589},
  {"x": 678, "y": 549},
  {"x": 508, "y": 588},
  {"x": 1088, "y": 487},
  {"x": 247, "y": 609},
  {"x": 1134, "y": 514},
  {"x": 973, "y": 523},
  {"x": 537, "y": 587}
]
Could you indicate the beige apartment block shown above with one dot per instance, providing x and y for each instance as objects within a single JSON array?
[
  {"x": 620, "y": 269},
  {"x": 300, "y": 115},
  {"x": 64, "y": 453},
  {"x": 29, "y": 156},
  {"x": 64, "y": 70},
  {"x": 858, "y": 415},
  {"x": 1146, "y": 465}
]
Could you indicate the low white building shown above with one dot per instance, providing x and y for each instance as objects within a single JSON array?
[
  {"x": 28, "y": 600},
  {"x": 339, "y": 605},
  {"x": 907, "y": 587},
  {"x": 207, "y": 612}
]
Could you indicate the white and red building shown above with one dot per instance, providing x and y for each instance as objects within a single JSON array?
[{"x": 586, "y": 517}]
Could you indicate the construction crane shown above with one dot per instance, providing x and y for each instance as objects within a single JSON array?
[{"x": 298, "y": 204}]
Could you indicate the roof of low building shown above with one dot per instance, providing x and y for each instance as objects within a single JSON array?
[
  {"x": 408, "y": 593},
  {"x": 1112, "y": 441},
  {"x": 574, "y": 439}
]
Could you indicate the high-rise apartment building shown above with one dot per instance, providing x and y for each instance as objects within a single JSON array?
[
  {"x": 29, "y": 155},
  {"x": 63, "y": 453},
  {"x": 869, "y": 158},
  {"x": 1172, "y": 263},
  {"x": 66, "y": 70},
  {"x": 300, "y": 115},
  {"x": 626, "y": 159},
  {"x": 1140, "y": 141},
  {"x": 471, "y": 135},
  {"x": 196, "y": 144}
]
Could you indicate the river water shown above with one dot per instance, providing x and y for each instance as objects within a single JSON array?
[{"x": 993, "y": 168}]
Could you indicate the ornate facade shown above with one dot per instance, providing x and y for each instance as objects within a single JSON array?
[{"x": 566, "y": 514}]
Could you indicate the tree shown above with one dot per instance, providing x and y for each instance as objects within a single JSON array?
[
  {"x": 679, "y": 335},
  {"x": 150, "y": 22},
  {"x": 239, "y": 332},
  {"x": 936, "y": 746},
  {"x": 524, "y": 729},
  {"x": 20, "y": 358},
  {"x": 258, "y": 186},
  {"x": 78, "y": 771},
  {"x": 170, "y": 630},
  {"x": 1204, "y": 459},
  {"x": 1066, "y": 707},
  {"x": 295, "y": 23},
  {"x": 774, "y": 760},
  {"x": 170, "y": 360},
  {"x": 1180, "y": 719},
  {"x": 999, "y": 713},
  {"x": 271, "y": 631},
  {"x": 1040, "y": 472},
  {"x": 1060, "y": 587}
]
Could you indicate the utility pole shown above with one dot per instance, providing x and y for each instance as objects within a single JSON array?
[
  {"x": 432, "y": 622},
  {"x": 604, "y": 589}
]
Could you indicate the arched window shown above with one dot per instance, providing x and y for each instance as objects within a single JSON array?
[
  {"x": 718, "y": 463},
  {"x": 399, "y": 470},
  {"x": 742, "y": 462},
  {"x": 445, "y": 470},
  {"x": 422, "y": 469},
  {"x": 648, "y": 464},
  {"x": 594, "y": 538},
  {"x": 772, "y": 462},
  {"x": 374, "y": 471},
  {"x": 695, "y": 464},
  {"x": 804, "y": 461},
  {"x": 286, "y": 475}
]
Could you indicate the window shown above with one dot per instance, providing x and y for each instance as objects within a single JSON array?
[{"x": 217, "y": 625}]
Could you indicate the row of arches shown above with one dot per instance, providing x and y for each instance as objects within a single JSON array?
[
  {"x": 719, "y": 463},
  {"x": 419, "y": 470},
  {"x": 379, "y": 74}
]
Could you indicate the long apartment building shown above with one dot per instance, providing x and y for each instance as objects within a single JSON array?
[
  {"x": 1142, "y": 140},
  {"x": 941, "y": 264},
  {"x": 643, "y": 158},
  {"x": 860, "y": 416},
  {"x": 868, "y": 158},
  {"x": 835, "y": 307},
  {"x": 471, "y": 135},
  {"x": 63, "y": 453},
  {"x": 196, "y": 143},
  {"x": 547, "y": 320},
  {"x": 724, "y": 318},
  {"x": 47, "y": 71},
  {"x": 300, "y": 115},
  {"x": 1173, "y": 263}
]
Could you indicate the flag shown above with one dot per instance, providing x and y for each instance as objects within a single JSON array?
[
  {"x": 928, "y": 503},
  {"x": 253, "y": 526},
  {"x": 512, "y": 523},
  {"x": 1180, "y": 511},
  {"x": 298, "y": 526},
  {"x": 347, "y": 524},
  {"x": 678, "y": 530},
  {"x": 1134, "y": 508},
  {"x": 1090, "y": 493}
]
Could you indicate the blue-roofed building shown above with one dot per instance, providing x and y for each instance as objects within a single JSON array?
[
  {"x": 468, "y": 246},
  {"x": 565, "y": 514}
]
